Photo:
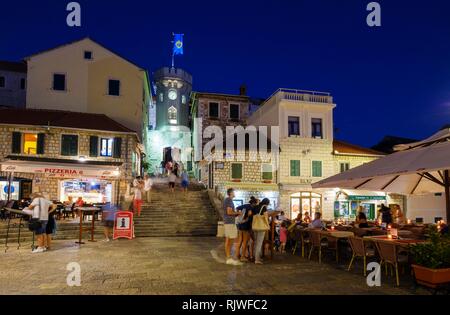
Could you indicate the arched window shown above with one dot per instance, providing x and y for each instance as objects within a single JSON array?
[{"x": 172, "y": 114}]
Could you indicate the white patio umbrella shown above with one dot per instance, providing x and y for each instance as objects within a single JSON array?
[{"x": 418, "y": 168}]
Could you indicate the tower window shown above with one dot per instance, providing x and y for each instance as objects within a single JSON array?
[
  {"x": 183, "y": 99},
  {"x": 2, "y": 82},
  {"x": 22, "y": 84},
  {"x": 172, "y": 114},
  {"x": 161, "y": 97}
]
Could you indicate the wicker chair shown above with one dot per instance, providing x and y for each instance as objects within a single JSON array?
[
  {"x": 316, "y": 243},
  {"x": 360, "y": 249},
  {"x": 389, "y": 256}
]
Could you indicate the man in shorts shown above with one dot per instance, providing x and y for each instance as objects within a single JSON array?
[
  {"x": 108, "y": 217},
  {"x": 231, "y": 232}
]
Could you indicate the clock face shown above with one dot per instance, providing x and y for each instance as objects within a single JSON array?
[{"x": 173, "y": 95}]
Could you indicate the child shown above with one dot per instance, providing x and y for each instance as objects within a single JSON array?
[{"x": 283, "y": 236}]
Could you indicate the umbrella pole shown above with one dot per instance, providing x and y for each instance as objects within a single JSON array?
[{"x": 447, "y": 193}]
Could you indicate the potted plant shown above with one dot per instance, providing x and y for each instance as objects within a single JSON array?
[{"x": 432, "y": 261}]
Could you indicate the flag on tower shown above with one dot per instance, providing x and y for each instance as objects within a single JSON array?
[{"x": 178, "y": 44}]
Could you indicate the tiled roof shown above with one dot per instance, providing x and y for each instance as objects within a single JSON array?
[
  {"x": 13, "y": 66},
  {"x": 64, "y": 119},
  {"x": 342, "y": 147}
]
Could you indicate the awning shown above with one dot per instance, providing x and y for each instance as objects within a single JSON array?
[{"x": 60, "y": 170}]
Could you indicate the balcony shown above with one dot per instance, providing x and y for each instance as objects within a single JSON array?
[{"x": 301, "y": 96}]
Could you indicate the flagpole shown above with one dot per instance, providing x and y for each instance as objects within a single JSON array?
[{"x": 173, "y": 60}]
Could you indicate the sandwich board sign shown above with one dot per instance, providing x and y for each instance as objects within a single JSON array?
[{"x": 123, "y": 225}]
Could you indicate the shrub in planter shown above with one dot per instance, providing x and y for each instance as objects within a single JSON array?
[{"x": 432, "y": 260}]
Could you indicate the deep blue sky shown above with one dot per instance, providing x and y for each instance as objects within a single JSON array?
[{"x": 389, "y": 80}]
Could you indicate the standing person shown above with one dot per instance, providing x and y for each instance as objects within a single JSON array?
[
  {"x": 137, "y": 199},
  {"x": 185, "y": 181},
  {"x": 108, "y": 217},
  {"x": 244, "y": 227},
  {"x": 283, "y": 237},
  {"x": 231, "y": 232},
  {"x": 50, "y": 229},
  {"x": 38, "y": 209},
  {"x": 386, "y": 214},
  {"x": 148, "y": 183},
  {"x": 260, "y": 235},
  {"x": 172, "y": 180}
]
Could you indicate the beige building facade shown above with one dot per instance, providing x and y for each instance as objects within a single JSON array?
[{"x": 84, "y": 76}]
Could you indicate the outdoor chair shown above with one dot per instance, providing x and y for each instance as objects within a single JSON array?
[
  {"x": 360, "y": 249},
  {"x": 389, "y": 256},
  {"x": 332, "y": 245},
  {"x": 316, "y": 243}
]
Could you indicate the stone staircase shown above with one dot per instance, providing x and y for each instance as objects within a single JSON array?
[
  {"x": 177, "y": 214},
  {"x": 168, "y": 215}
]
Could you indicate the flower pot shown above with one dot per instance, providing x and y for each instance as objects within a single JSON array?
[{"x": 431, "y": 278}]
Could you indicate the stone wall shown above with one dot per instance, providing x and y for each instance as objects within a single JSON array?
[{"x": 52, "y": 149}]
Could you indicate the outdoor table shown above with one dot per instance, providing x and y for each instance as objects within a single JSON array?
[
  {"x": 91, "y": 210},
  {"x": 403, "y": 243},
  {"x": 21, "y": 216},
  {"x": 338, "y": 234}
]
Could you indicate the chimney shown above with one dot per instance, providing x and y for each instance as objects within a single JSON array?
[{"x": 243, "y": 90}]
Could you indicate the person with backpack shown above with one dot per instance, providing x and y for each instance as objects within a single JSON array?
[{"x": 243, "y": 223}]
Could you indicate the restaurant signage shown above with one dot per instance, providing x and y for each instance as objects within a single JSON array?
[
  {"x": 364, "y": 198},
  {"x": 123, "y": 225},
  {"x": 59, "y": 170}
]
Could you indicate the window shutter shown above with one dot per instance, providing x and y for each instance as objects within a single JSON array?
[
  {"x": 40, "y": 143},
  {"x": 236, "y": 171},
  {"x": 295, "y": 168},
  {"x": 117, "y": 148},
  {"x": 93, "y": 146},
  {"x": 317, "y": 169},
  {"x": 69, "y": 145},
  {"x": 16, "y": 143}
]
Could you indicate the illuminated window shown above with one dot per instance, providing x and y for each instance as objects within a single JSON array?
[
  {"x": 106, "y": 147},
  {"x": 30, "y": 142},
  {"x": 172, "y": 114}
]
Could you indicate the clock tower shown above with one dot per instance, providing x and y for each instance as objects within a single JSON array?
[
  {"x": 171, "y": 137},
  {"x": 173, "y": 89}
]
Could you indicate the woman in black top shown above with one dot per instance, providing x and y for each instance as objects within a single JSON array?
[{"x": 362, "y": 219}]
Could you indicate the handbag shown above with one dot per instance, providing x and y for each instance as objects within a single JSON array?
[
  {"x": 35, "y": 223},
  {"x": 260, "y": 222}
]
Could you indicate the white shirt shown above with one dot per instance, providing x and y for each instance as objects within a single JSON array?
[
  {"x": 37, "y": 213},
  {"x": 172, "y": 178},
  {"x": 148, "y": 183}
]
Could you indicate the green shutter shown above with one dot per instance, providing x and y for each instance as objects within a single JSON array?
[
  {"x": 317, "y": 168},
  {"x": 69, "y": 145},
  {"x": 93, "y": 146},
  {"x": 40, "y": 143},
  {"x": 295, "y": 168},
  {"x": 16, "y": 143},
  {"x": 236, "y": 171},
  {"x": 267, "y": 173},
  {"x": 117, "y": 148}
]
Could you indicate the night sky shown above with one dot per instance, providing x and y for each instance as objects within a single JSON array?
[{"x": 390, "y": 80}]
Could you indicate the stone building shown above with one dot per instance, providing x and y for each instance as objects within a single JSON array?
[
  {"x": 215, "y": 109},
  {"x": 13, "y": 82},
  {"x": 309, "y": 153},
  {"x": 66, "y": 154}
]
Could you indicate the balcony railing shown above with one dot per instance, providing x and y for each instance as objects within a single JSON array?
[{"x": 302, "y": 96}]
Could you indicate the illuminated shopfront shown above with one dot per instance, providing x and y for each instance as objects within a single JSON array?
[
  {"x": 90, "y": 190},
  {"x": 303, "y": 202}
]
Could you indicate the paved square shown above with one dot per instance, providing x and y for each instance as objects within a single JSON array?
[{"x": 174, "y": 266}]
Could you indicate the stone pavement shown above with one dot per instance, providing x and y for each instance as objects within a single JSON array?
[{"x": 173, "y": 266}]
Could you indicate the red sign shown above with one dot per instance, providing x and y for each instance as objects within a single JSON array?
[{"x": 123, "y": 225}]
